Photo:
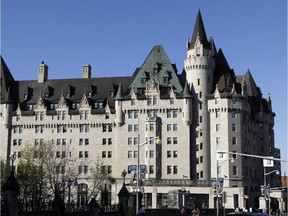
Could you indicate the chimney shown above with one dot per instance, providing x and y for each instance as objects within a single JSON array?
[
  {"x": 86, "y": 71},
  {"x": 42, "y": 72}
]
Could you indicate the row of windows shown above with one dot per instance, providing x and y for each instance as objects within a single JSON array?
[
  {"x": 84, "y": 169},
  {"x": 17, "y": 142},
  {"x": 106, "y": 154},
  {"x": 233, "y": 127}
]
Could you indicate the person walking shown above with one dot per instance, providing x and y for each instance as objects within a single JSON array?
[
  {"x": 195, "y": 212},
  {"x": 142, "y": 211}
]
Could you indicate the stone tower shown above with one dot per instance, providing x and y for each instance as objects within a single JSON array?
[{"x": 199, "y": 66}]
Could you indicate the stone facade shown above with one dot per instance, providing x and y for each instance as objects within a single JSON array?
[{"x": 204, "y": 109}]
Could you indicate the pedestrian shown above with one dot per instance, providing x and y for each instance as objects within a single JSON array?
[
  {"x": 195, "y": 212},
  {"x": 183, "y": 211},
  {"x": 142, "y": 211}
]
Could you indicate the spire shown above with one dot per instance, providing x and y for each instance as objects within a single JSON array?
[
  {"x": 120, "y": 93},
  {"x": 186, "y": 92},
  {"x": 9, "y": 99},
  {"x": 199, "y": 30}
]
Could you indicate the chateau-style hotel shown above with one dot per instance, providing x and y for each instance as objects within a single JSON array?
[{"x": 196, "y": 110}]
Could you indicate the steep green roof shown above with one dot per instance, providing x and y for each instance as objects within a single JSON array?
[{"x": 157, "y": 67}]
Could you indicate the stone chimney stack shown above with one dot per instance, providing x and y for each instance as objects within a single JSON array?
[
  {"x": 86, "y": 71},
  {"x": 42, "y": 72}
]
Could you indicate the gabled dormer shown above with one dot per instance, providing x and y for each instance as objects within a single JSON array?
[
  {"x": 40, "y": 103},
  {"x": 84, "y": 102},
  {"x": 62, "y": 101}
]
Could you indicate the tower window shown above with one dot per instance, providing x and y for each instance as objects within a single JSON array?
[{"x": 198, "y": 81}]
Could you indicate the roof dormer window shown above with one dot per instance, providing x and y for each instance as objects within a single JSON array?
[{"x": 25, "y": 96}]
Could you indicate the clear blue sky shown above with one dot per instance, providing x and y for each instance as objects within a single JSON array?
[{"x": 115, "y": 37}]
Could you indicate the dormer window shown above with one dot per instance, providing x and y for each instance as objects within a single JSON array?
[
  {"x": 25, "y": 96},
  {"x": 198, "y": 51},
  {"x": 143, "y": 80},
  {"x": 67, "y": 95},
  {"x": 165, "y": 79},
  {"x": 111, "y": 93},
  {"x": 73, "y": 106},
  {"x": 89, "y": 94}
]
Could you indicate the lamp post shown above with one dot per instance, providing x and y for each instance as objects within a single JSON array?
[
  {"x": 123, "y": 174},
  {"x": 70, "y": 182},
  {"x": 138, "y": 189},
  {"x": 217, "y": 184},
  {"x": 266, "y": 188},
  {"x": 265, "y": 159}
]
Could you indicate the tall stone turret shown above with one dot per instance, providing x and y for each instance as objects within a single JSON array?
[
  {"x": 187, "y": 105},
  {"x": 199, "y": 66},
  {"x": 119, "y": 119},
  {"x": 8, "y": 108}
]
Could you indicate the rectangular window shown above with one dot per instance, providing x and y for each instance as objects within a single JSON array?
[
  {"x": 175, "y": 169},
  {"x": 235, "y": 170},
  {"x": 217, "y": 127},
  {"x": 135, "y": 140},
  {"x": 130, "y": 114},
  {"x": 169, "y": 140},
  {"x": 109, "y": 141},
  {"x": 175, "y": 154},
  {"x": 169, "y": 127},
  {"x": 130, "y": 127},
  {"x": 109, "y": 169},
  {"x": 234, "y": 127},
  {"x": 151, "y": 169},
  {"x": 169, "y": 155},
  {"x": 234, "y": 141},
  {"x": 233, "y": 114},
  {"x": 81, "y": 141},
  {"x": 109, "y": 128},
  {"x": 130, "y": 140},
  {"x": 86, "y": 154},
  {"x": 135, "y": 154},
  {"x": 85, "y": 169},
  {"x": 103, "y": 154},
  {"x": 174, "y": 127},
  {"x": 169, "y": 169},
  {"x": 217, "y": 113},
  {"x": 175, "y": 140},
  {"x": 104, "y": 128},
  {"x": 171, "y": 101},
  {"x": 169, "y": 114},
  {"x": 86, "y": 141},
  {"x": 132, "y": 102},
  {"x": 218, "y": 139},
  {"x": 151, "y": 127},
  {"x": 104, "y": 142},
  {"x": 130, "y": 154},
  {"x": 151, "y": 154},
  {"x": 109, "y": 154},
  {"x": 175, "y": 114}
]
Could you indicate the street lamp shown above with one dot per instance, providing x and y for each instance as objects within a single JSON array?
[
  {"x": 123, "y": 174},
  {"x": 217, "y": 183},
  {"x": 266, "y": 188},
  {"x": 138, "y": 189},
  {"x": 70, "y": 182}
]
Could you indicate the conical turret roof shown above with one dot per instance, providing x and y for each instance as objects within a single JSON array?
[{"x": 199, "y": 30}]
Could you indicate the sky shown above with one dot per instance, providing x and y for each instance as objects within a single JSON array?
[{"x": 115, "y": 37}]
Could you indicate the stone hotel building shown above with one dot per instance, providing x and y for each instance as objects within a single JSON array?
[{"x": 196, "y": 111}]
